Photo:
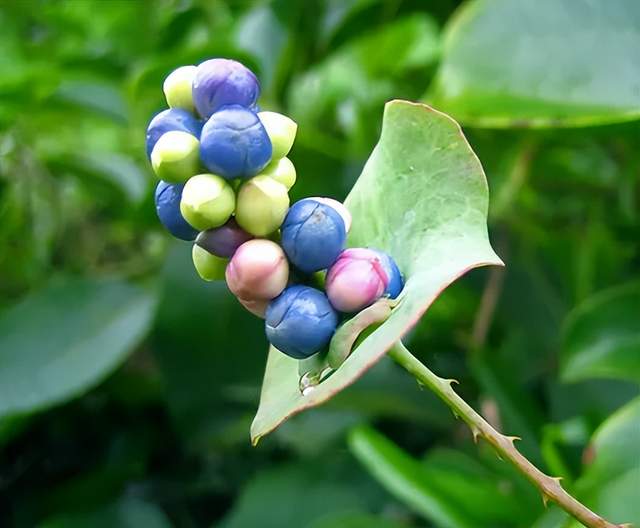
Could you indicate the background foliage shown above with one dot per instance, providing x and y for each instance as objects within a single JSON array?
[{"x": 127, "y": 385}]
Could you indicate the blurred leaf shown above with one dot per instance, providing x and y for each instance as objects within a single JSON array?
[
  {"x": 353, "y": 520},
  {"x": 425, "y": 206},
  {"x": 602, "y": 336},
  {"x": 97, "y": 96},
  {"x": 120, "y": 171},
  {"x": 549, "y": 63},
  {"x": 447, "y": 489},
  {"x": 126, "y": 513},
  {"x": 609, "y": 484},
  {"x": 210, "y": 352},
  {"x": 260, "y": 33},
  {"x": 351, "y": 85},
  {"x": 61, "y": 341},
  {"x": 614, "y": 448},
  {"x": 293, "y": 495}
]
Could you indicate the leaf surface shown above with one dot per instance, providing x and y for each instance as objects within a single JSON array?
[
  {"x": 62, "y": 340},
  {"x": 554, "y": 63},
  {"x": 422, "y": 197}
]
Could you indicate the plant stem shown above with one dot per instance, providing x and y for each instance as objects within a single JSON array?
[{"x": 504, "y": 445}]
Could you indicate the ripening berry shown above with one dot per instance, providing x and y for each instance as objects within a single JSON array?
[
  {"x": 208, "y": 266},
  {"x": 356, "y": 280},
  {"x": 262, "y": 205},
  {"x": 177, "y": 88},
  {"x": 396, "y": 281},
  {"x": 282, "y": 170},
  {"x": 313, "y": 235},
  {"x": 176, "y": 156},
  {"x": 282, "y": 132},
  {"x": 257, "y": 270},
  {"x": 167, "y": 198},
  {"x": 234, "y": 144},
  {"x": 168, "y": 120},
  {"x": 257, "y": 307},
  {"x": 222, "y": 82},
  {"x": 338, "y": 206},
  {"x": 300, "y": 321},
  {"x": 207, "y": 201},
  {"x": 224, "y": 240}
]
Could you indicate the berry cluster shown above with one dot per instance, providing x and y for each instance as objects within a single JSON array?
[{"x": 224, "y": 182}]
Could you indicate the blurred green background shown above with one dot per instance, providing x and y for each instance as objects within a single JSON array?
[{"x": 127, "y": 385}]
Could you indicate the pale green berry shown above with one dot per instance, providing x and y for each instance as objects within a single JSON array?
[
  {"x": 177, "y": 88},
  {"x": 176, "y": 156},
  {"x": 207, "y": 201},
  {"x": 208, "y": 266},
  {"x": 261, "y": 205},
  {"x": 282, "y": 170},
  {"x": 282, "y": 132}
]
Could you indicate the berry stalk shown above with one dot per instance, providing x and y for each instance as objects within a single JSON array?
[{"x": 550, "y": 487}]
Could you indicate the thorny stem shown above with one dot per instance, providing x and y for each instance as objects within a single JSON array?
[{"x": 504, "y": 445}]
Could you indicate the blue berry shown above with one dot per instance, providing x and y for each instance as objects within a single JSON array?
[
  {"x": 234, "y": 143},
  {"x": 313, "y": 235},
  {"x": 168, "y": 197},
  {"x": 300, "y": 321},
  {"x": 170, "y": 120},
  {"x": 221, "y": 82},
  {"x": 395, "y": 280}
]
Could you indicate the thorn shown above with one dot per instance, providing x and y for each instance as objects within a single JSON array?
[
  {"x": 512, "y": 439},
  {"x": 476, "y": 434},
  {"x": 452, "y": 382},
  {"x": 557, "y": 480},
  {"x": 545, "y": 500}
]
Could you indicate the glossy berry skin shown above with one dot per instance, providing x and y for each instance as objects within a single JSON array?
[
  {"x": 207, "y": 201},
  {"x": 282, "y": 132},
  {"x": 234, "y": 144},
  {"x": 395, "y": 279},
  {"x": 338, "y": 206},
  {"x": 208, "y": 266},
  {"x": 168, "y": 197},
  {"x": 177, "y": 88},
  {"x": 261, "y": 205},
  {"x": 175, "y": 156},
  {"x": 313, "y": 235},
  {"x": 257, "y": 307},
  {"x": 300, "y": 321},
  {"x": 258, "y": 270},
  {"x": 222, "y": 82},
  {"x": 282, "y": 170},
  {"x": 223, "y": 241},
  {"x": 356, "y": 280},
  {"x": 168, "y": 120}
]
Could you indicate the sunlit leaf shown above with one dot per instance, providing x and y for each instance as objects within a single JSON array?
[{"x": 423, "y": 198}]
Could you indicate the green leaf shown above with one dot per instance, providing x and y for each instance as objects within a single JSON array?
[
  {"x": 550, "y": 63},
  {"x": 609, "y": 483},
  {"x": 614, "y": 448},
  {"x": 354, "y": 520},
  {"x": 602, "y": 336},
  {"x": 423, "y": 198},
  {"x": 293, "y": 495},
  {"x": 125, "y": 513},
  {"x": 64, "y": 339},
  {"x": 447, "y": 488}
]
